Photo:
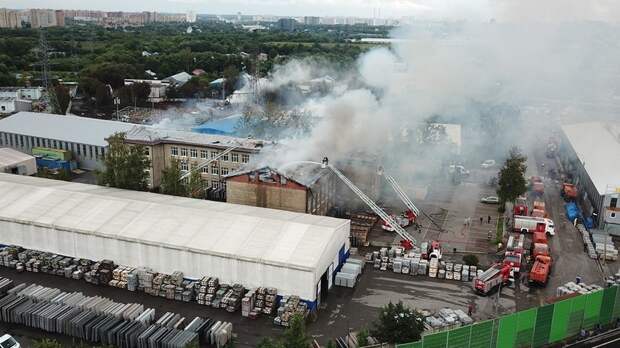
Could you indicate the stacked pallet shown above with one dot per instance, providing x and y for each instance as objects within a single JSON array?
[
  {"x": 232, "y": 299},
  {"x": 290, "y": 306},
  {"x": 216, "y": 302}
]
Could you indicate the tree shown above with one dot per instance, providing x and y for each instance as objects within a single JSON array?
[
  {"x": 47, "y": 343},
  {"x": 470, "y": 260},
  {"x": 102, "y": 95},
  {"x": 294, "y": 336},
  {"x": 125, "y": 165},
  {"x": 62, "y": 99},
  {"x": 195, "y": 186},
  {"x": 362, "y": 337},
  {"x": 398, "y": 324},
  {"x": 269, "y": 343},
  {"x": 512, "y": 182},
  {"x": 171, "y": 183}
]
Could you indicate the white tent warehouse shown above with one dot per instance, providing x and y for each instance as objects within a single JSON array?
[{"x": 296, "y": 253}]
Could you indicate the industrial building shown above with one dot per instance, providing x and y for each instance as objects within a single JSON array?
[
  {"x": 590, "y": 151},
  {"x": 84, "y": 137},
  {"x": 295, "y": 253},
  {"x": 191, "y": 149},
  {"x": 304, "y": 189},
  {"x": 15, "y": 162}
]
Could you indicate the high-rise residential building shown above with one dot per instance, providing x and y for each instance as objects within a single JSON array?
[
  {"x": 10, "y": 18},
  {"x": 287, "y": 24},
  {"x": 60, "y": 18},
  {"x": 41, "y": 18},
  {"x": 312, "y": 20}
]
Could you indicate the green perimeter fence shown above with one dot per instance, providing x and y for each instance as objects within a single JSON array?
[{"x": 533, "y": 327}]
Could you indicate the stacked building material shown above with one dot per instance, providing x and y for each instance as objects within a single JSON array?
[
  {"x": 5, "y": 285},
  {"x": 445, "y": 319},
  {"x": 219, "y": 295},
  {"x": 101, "y": 320},
  {"x": 576, "y": 288},
  {"x": 290, "y": 306},
  {"x": 587, "y": 241},
  {"x": 361, "y": 224},
  {"x": 604, "y": 246}
]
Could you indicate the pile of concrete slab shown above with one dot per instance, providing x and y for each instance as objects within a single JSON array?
[
  {"x": 412, "y": 263},
  {"x": 587, "y": 241},
  {"x": 604, "y": 245},
  {"x": 349, "y": 272},
  {"x": 289, "y": 307},
  {"x": 101, "y": 320},
  {"x": 576, "y": 288},
  {"x": 445, "y": 319},
  {"x": 175, "y": 286}
]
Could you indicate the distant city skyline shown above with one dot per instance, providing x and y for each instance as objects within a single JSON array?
[{"x": 322, "y": 8}]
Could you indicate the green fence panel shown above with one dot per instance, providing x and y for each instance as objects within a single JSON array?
[
  {"x": 417, "y": 344},
  {"x": 576, "y": 315},
  {"x": 559, "y": 324},
  {"x": 507, "y": 331},
  {"x": 525, "y": 327},
  {"x": 592, "y": 309},
  {"x": 544, "y": 317},
  {"x": 617, "y": 306},
  {"x": 438, "y": 340},
  {"x": 607, "y": 307},
  {"x": 481, "y": 334},
  {"x": 495, "y": 332},
  {"x": 458, "y": 338}
]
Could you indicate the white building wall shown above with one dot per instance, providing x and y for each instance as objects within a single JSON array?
[{"x": 160, "y": 258}]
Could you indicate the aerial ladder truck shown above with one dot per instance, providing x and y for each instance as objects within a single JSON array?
[{"x": 407, "y": 241}]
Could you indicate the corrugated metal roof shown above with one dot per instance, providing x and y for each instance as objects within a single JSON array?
[
  {"x": 259, "y": 235},
  {"x": 597, "y": 145},
  {"x": 73, "y": 129}
]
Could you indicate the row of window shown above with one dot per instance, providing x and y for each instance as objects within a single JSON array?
[
  {"x": 215, "y": 169},
  {"x": 28, "y": 142},
  {"x": 204, "y": 154}
]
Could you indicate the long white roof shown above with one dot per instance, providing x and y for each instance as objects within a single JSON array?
[
  {"x": 597, "y": 145},
  {"x": 73, "y": 129},
  {"x": 272, "y": 237}
]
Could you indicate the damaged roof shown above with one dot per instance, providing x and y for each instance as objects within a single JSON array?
[
  {"x": 304, "y": 174},
  {"x": 153, "y": 135}
]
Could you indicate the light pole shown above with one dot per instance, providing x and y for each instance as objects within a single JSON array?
[{"x": 117, "y": 102}]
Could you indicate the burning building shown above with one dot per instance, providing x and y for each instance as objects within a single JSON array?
[{"x": 304, "y": 189}]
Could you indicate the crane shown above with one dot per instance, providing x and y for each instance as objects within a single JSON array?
[
  {"x": 403, "y": 196},
  {"x": 408, "y": 241},
  {"x": 209, "y": 161}
]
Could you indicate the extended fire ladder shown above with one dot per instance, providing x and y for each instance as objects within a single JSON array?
[
  {"x": 375, "y": 208},
  {"x": 209, "y": 161},
  {"x": 403, "y": 196}
]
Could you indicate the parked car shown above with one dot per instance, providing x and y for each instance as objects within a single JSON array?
[
  {"x": 490, "y": 200},
  {"x": 459, "y": 169},
  {"x": 7, "y": 341},
  {"x": 488, "y": 164}
]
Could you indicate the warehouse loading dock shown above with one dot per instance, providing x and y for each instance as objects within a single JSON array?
[{"x": 252, "y": 246}]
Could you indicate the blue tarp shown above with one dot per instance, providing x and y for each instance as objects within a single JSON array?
[
  {"x": 225, "y": 126},
  {"x": 49, "y": 163},
  {"x": 572, "y": 211}
]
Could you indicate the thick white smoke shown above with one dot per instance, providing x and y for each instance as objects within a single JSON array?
[{"x": 560, "y": 56}]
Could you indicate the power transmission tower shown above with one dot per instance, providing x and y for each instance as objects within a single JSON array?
[
  {"x": 44, "y": 56},
  {"x": 44, "y": 51}
]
